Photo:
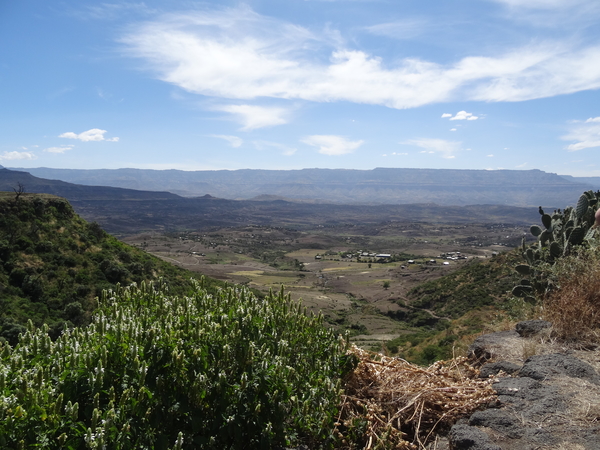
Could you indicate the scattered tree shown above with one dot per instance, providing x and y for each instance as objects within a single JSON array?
[{"x": 19, "y": 190}]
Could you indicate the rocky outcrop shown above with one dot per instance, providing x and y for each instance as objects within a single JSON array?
[{"x": 551, "y": 400}]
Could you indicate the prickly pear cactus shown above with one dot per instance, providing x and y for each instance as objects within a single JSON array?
[{"x": 562, "y": 231}]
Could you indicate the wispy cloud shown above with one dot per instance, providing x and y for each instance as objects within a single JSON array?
[
  {"x": 253, "y": 117},
  {"x": 11, "y": 156},
  {"x": 112, "y": 11},
  {"x": 285, "y": 150},
  {"x": 95, "y": 134},
  {"x": 332, "y": 145},
  {"x": 234, "y": 141},
  {"x": 573, "y": 15},
  {"x": 402, "y": 29},
  {"x": 61, "y": 149},
  {"x": 541, "y": 4},
  {"x": 447, "y": 149},
  {"x": 587, "y": 134},
  {"x": 239, "y": 54}
]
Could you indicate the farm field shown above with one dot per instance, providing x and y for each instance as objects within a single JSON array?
[{"x": 336, "y": 270}]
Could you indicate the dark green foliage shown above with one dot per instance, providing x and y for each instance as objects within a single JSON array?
[
  {"x": 555, "y": 250},
  {"x": 547, "y": 221},
  {"x": 565, "y": 231},
  {"x": 51, "y": 257},
  {"x": 440, "y": 350},
  {"x": 582, "y": 206},
  {"x": 156, "y": 371},
  {"x": 535, "y": 230}
]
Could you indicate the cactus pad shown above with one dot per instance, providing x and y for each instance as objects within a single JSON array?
[
  {"x": 555, "y": 249},
  {"x": 576, "y": 236},
  {"x": 535, "y": 230},
  {"x": 547, "y": 221},
  {"x": 582, "y": 206},
  {"x": 522, "y": 290}
]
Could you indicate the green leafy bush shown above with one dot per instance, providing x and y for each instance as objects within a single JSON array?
[
  {"x": 50, "y": 257},
  {"x": 155, "y": 371}
]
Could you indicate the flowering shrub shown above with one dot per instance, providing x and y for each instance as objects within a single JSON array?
[{"x": 155, "y": 371}]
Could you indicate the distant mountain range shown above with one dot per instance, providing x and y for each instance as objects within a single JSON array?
[
  {"x": 10, "y": 179},
  {"x": 128, "y": 211},
  {"x": 377, "y": 186},
  {"x": 592, "y": 181}
]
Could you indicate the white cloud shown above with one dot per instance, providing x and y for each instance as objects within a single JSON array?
[
  {"x": 490, "y": 156},
  {"x": 285, "y": 150},
  {"x": 446, "y": 148},
  {"x": 253, "y": 117},
  {"x": 95, "y": 134},
  {"x": 452, "y": 129},
  {"x": 461, "y": 115},
  {"x": 238, "y": 54},
  {"x": 332, "y": 145},
  {"x": 587, "y": 134},
  {"x": 60, "y": 149},
  {"x": 11, "y": 156},
  {"x": 520, "y": 166},
  {"x": 234, "y": 141}
]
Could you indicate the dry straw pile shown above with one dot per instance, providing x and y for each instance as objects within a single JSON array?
[{"x": 390, "y": 403}]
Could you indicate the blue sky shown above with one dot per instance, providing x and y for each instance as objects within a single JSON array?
[{"x": 272, "y": 84}]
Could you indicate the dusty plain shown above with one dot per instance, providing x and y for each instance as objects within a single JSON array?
[{"x": 320, "y": 266}]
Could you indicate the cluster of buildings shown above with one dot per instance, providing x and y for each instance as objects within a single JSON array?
[{"x": 454, "y": 256}]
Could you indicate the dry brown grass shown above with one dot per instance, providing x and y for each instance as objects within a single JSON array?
[
  {"x": 390, "y": 403},
  {"x": 574, "y": 308}
]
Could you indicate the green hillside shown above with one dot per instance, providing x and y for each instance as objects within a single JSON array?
[
  {"x": 480, "y": 283},
  {"x": 53, "y": 264}
]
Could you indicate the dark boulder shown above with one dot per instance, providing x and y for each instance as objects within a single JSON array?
[
  {"x": 492, "y": 369},
  {"x": 482, "y": 349},
  {"x": 531, "y": 327},
  {"x": 540, "y": 367}
]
